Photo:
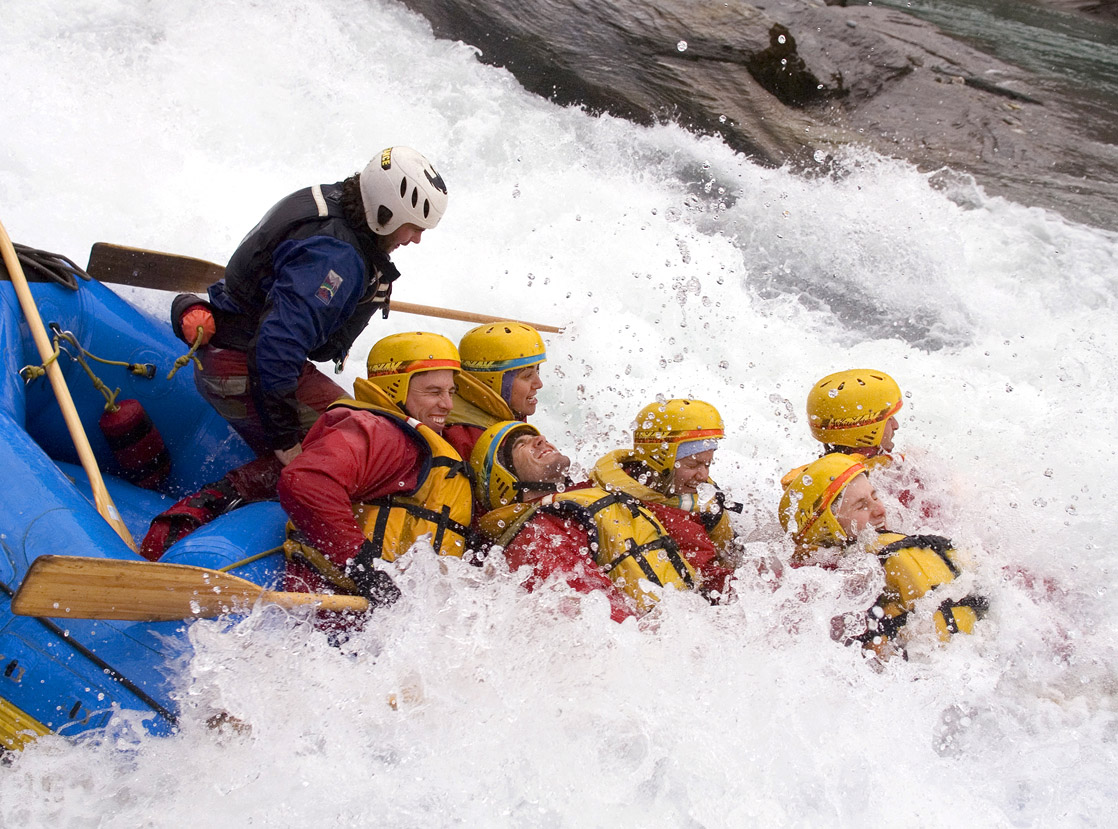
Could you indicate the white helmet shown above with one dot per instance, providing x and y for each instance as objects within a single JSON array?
[{"x": 401, "y": 186}]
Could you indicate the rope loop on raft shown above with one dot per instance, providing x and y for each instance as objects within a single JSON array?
[
  {"x": 228, "y": 568},
  {"x": 33, "y": 372},
  {"x": 188, "y": 356},
  {"x": 53, "y": 267}
]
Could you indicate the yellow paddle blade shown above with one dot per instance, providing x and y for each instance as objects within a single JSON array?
[{"x": 148, "y": 591}]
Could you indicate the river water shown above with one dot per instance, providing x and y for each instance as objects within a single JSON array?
[
  {"x": 678, "y": 268},
  {"x": 1074, "y": 55}
]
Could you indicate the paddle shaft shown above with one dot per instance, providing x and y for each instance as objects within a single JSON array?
[
  {"x": 76, "y": 587},
  {"x": 101, "y": 498},
  {"x": 140, "y": 268}
]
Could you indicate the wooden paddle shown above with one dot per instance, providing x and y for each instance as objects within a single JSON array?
[
  {"x": 149, "y": 591},
  {"x": 101, "y": 498},
  {"x": 121, "y": 265}
]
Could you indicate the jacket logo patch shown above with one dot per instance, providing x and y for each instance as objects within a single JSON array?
[{"x": 328, "y": 288}]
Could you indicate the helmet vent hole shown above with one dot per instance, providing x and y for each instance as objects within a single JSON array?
[
  {"x": 403, "y": 187},
  {"x": 414, "y": 197},
  {"x": 426, "y": 208}
]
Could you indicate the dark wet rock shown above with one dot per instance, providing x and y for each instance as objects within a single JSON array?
[
  {"x": 786, "y": 80},
  {"x": 1107, "y": 9}
]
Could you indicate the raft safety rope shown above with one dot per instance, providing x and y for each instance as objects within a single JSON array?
[
  {"x": 53, "y": 267},
  {"x": 244, "y": 562},
  {"x": 188, "y": 356},
  {"x": 33, "y": 372}
]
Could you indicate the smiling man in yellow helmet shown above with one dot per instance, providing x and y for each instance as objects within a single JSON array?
[
  {"x": 591, "y": 539},
  {"x": 668, "y": 471},
  {"x": 831, "y": 510},
  {"x": 375, "y": 474},
  {"x": 854, "y": 412},
  {"x": 499, "y": 381}
]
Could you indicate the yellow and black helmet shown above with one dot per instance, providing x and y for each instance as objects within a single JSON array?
[
  {"x": 661, "y": 428},
  {"x": 395, "y": 358},
  {"x": 806, "y": 506},
  {"x": 851, "y": 408},
  {"x": 495, "y": 478},
  {"x": 489, "y": 352}
]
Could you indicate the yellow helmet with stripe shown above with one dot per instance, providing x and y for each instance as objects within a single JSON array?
[
  {"x": 492, "y": 350},
  {"x": 661, "y": 428},
  {"x": 806, "y": 506},
  {"x": 395, "y": 358},
  {"x": 494, "y": 476},
  {"x": 851, "y": 408}
]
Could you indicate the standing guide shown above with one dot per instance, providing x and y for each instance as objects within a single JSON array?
[{"x": 301, "y": 286}]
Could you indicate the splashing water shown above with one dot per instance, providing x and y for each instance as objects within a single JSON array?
[{"x": 679, "y": 269}]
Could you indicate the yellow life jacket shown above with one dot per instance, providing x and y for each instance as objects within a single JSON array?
[
  {"x": 609, "y": 473},
  {"x": 475, "y": 404},
  {"x": 914, "y": 566},
  {"x": 441, "y": 505},
  {"x": 629, "y": 543}
]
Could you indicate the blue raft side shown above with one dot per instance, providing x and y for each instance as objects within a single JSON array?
[{"x": 69, "y": 674}]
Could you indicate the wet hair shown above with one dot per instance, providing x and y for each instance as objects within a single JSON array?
[
  {"x": 353, "y": 206},
  {"x": 505, "y": 454}
]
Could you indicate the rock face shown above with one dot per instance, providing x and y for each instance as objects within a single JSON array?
[
  {"x": 781, "y": 79},
  {"x": 1101, "y": 8}
]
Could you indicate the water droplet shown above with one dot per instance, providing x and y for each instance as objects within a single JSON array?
[
  {"x": 782, "y": 39},
  {"x": 681, "y": 46}
]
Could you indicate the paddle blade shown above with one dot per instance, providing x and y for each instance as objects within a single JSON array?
[
  {"x": 121, "y": 265},
  {"x": 150, "y": 591},
  {"x": 138, "y": 591}
]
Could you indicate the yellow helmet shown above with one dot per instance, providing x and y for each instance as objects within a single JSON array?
[
  {"x": 805, "y": 507},
  {"x": 495, "y": 479},
  {"x": 492, "y": 350},
  {"x": 395, "y": 358},
  {"x": 662, "y": 427},
  {"x": 851, "y": 408}
]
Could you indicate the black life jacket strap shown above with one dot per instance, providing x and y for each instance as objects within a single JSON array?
[
  {"x": 441, "y": 519},
  {"x": 979, "y": 604},
  {"x": 886, "y": 626},
  {"x": 297, "y": 548},
  {"x": 936, "y": 543},
  {"x": 639, "y": 552}
]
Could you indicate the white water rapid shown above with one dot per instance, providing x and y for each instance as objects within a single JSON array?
[{"x": 678, "y": 269}]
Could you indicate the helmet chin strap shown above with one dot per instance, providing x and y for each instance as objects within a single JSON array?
[{"x": 541, "y": 487}]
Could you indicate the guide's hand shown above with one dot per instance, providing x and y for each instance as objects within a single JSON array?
[{"x": 286, "y": 456}]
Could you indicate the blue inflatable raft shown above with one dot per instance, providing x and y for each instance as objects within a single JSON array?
[{"x": 68, "y": 676}]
